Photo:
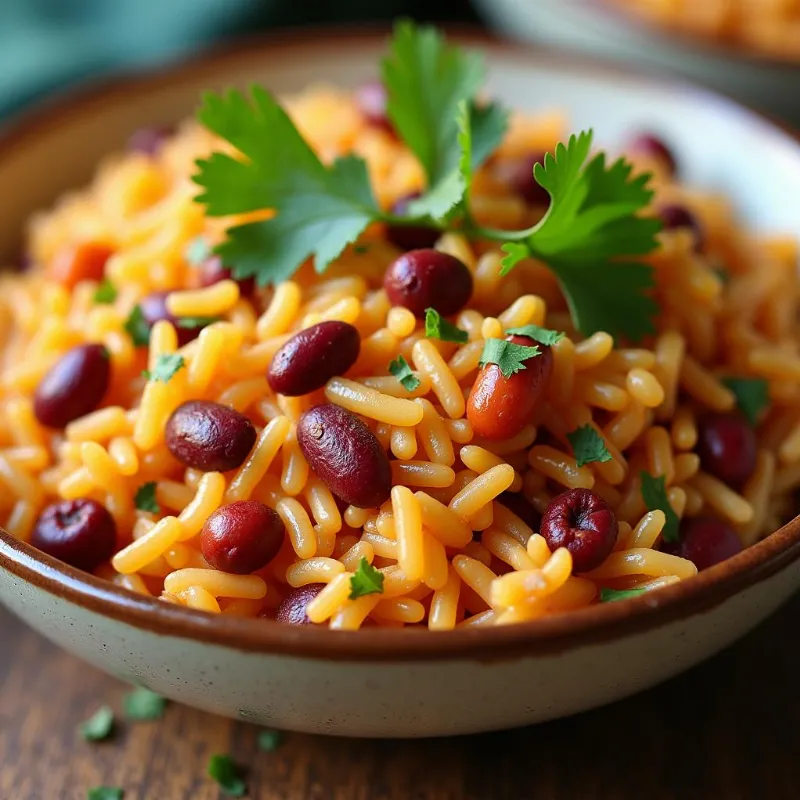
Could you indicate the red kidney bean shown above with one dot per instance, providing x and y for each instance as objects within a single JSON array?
[
  {"x": 707, "y": 541},
  {"x": 518, "y": 174},
  {"x": 581, "y": 521},
  {"x": 292, "y": 611},
  {"x": 423, "y": 279},
  {"x": 500, "y": 407},
  {"x": 74, "y": 386},
  {"x": 410, "y": 237},
  {"x": 154, "y": 309},
  {"x": 345, "y": 454},
  {"x": 371, "y": 99},
  {"x": 675, "y": 216},
  {"x": 312, "y": 357},
  {"x": 209, "y": 436},
  {"x": 242, "y": 537},
  {"x": 82, "y": 262},
  {"x": 211, "y": 270},
  {"x": 727, "y": 447},
  {"x": 148, "y": 140},
  {"x": 653, "y": 147},
  {"x": 81, "y": 533}
]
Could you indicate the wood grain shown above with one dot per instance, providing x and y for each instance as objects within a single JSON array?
[{"x": 726, "y": 730}]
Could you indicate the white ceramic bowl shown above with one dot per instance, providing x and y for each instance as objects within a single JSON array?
[
  {"x": 390, "y": 683},
  {"x": 596, "y": 27}
]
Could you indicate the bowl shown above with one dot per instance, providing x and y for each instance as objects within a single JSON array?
[
  {"x": 382, "y": 682},
  {"x": 601, "y": 28}
]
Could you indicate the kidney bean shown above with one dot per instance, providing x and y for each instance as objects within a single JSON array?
[
  {"x": 707, "y": 541},
  {"x": 423, "y": 279},
  {"x": 312, "y": 357},
  {"x": 371, "y": 99},
  {"x": 518, "y": 174},
  {"x": 292, "y": 611},
  {"x": 154, "y": 309},
  {"x": 410, "y": 237},
  {"x": 581, "y": 521},
  {"x": 727, "y": 447},
  {"x": 242, "y": 537},
  {"x": 500, "y": 407},
  {"x": 148, "y": 141},
  {"x": 211, "y": 270},
  {"x": 676, "y": 216},
  {"x": 82, "y": 533},
  {"x": 82, "y": 262},
  {"x": 345, "y": 454},
  {"x": 653, "y": 147},
  {"x": 74, "y": 386},
  {"x": 209, "y": 436}
]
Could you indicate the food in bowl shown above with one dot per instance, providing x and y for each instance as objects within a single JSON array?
[{"x": 399, "y": 370}]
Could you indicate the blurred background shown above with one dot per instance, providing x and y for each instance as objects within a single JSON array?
[{"x": 747, "y": 48}]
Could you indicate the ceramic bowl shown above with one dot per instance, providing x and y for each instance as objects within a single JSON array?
[
  {"x": 412, "y": 683},
  {"x": 599, "y": 28}
]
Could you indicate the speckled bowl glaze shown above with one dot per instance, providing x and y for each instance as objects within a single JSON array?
[{"x": 385, "y": 682}]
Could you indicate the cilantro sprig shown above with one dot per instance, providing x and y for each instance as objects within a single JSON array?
[
  {"x": 105, "y": 793},
  {"x": 437, "y": 327},
  {"x": 227, "y": 773},
  {"x": 145, "y": 498},
  {"x": 654, "y": 494},
  {"x": 612, "y": 595},
  {"x": 105, "y": 293},
  {"x": 593, "y": 237},
  {"x": 752, "y": 396},
  {"x": 509, "y": 356},
  {"x": 538, "y": 334},
  {"x": 365, "y": 580},
  {"x": 588, "y": 446},
  {"x": 99, "y": 726},
  {"x": 143, "y": 705},
  {"x": 167, "y": 364},
  {"x": 401, "y": 370}
]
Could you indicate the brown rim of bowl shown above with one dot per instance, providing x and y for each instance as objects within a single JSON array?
[
  {"x": 719, "y": 46},
  {"x": 557, "y": 633}
]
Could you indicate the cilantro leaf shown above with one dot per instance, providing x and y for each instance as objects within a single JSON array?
[
  {"x": 227, "y": 774},
  {"x": 99, "y": 726},
  {"x": 167, "y": 364},
  {"x": 137, "y": 328},
  {"x": 588, "y": 446},
  {"x": 320, "y": 209},
  {"x": 654, "y": 494},
  {"x": 196, "y": 322},
  {"x": 508, "y": 356},
  {"x": 401, "y": 369},
  {"x": 197, "y": 251},
  {"x": 365, "y": 580},
  {"x": 437, "y": 327},
  {"x": 106, "y": 293},
  {"x": 141, "y": 705},
  {"x": 105, "y": 793},
  {"x": 538, "y": 334},
  {"x": 752, "y": 396},
  {"x": 587, "y": 236},
  {"x": 612, "y": 595},
  {"x": 269, "y": 740},
  {"x": 145, "y": 498}
]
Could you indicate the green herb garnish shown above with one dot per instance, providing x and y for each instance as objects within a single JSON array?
[
  {"x": 197, "y": 251},
  {"x": 588, "y": 446},
  {"x": 106, "y": 293},
  {"x": 227, "y": 774},
  {"x": 752, "y": 396},
  {"x": 142, "y": 704},
  {"x": 196, "y": 322},
  {"x": 105, "y": 793},
  {"x": 654, "y": 494},
  {"x": 612, "y": 595},
  {"x": 167, "y": 364},
  {"x": 145, "y": 498},
  {"x": 269, "y": 740},
  {"x": 590, "y": 236},
  {"x": 99, "y": 726},
  {"x": 401, "y": 369},
  {"x": 365, "y": 580},
  {"x": 137, "y": 327},
  {"x": 508, "y": 356},
  {"x": 437, "y": 327},
  {"x": 541, "y": 335}
]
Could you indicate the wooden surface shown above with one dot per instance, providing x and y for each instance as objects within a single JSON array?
[{"x": 726, "y": 730}]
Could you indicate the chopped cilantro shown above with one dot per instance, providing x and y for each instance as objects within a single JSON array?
[
  {"x": 752, "y": 396},
  {"x": 227, "y": 774},
  {"x": 401, "y": 369},
  {"x": 141, "y": 704},
  {"x": 361, "y": 249},
  {"x": 541, "y": 335},
  {"x": 167, "y": 364},
  {"x": 365, "y": 580},
  {"x": 105, "y": 793},
  {"x": 137, "y": 327},
  {"x": 508, "y": 356},
  {"x": 654, "y": 494},
  {"x": 106, "y": 293},
  {"x": 269, "y": 740},
  {"x": 588, "y": 445},
  {"x": 197, "y": 251},
  {"x": 196, "y": 322},
  {"x": 437, "y": 327},
  {"x": 145, "y": 498},
  {"x": 612, "y": 595},
  {"x": 99, "y": 726}
]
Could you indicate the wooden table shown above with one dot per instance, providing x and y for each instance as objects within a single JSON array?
[{"x": 726, "y": 730}]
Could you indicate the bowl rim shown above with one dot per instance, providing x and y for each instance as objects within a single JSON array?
[{"x": 552, "y": 634}]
